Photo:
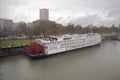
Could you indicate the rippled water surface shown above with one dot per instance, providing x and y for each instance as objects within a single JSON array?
[{"x": 93, "y": 63}]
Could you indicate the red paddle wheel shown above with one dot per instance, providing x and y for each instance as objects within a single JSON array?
[{"x": 35, "y": 48}]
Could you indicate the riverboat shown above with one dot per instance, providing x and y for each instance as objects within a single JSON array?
[{"x": 58, "y": 44}]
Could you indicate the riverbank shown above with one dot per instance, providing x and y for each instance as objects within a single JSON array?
[
  {"x": 11, "y": 52},
  {"x": 10, "y": 47},
  {"x": 111, "y": 37},
  {"x": 7, "y": 50},
  {"x": 12, "y": 42}
]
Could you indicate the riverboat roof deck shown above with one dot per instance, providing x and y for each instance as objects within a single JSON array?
[{"x": 64, "y": 37}]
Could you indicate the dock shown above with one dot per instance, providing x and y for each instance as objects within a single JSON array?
[
  {"x": 112, "y": 37},
  {"x": 12, "y": 50}
]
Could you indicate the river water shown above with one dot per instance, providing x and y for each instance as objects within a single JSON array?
[{"x": 93, "y": 63}]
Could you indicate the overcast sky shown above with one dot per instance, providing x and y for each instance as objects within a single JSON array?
[{"x": 83, "y": 12}]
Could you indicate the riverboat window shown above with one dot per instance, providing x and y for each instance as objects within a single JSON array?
[{"x": 66, "y": 38}]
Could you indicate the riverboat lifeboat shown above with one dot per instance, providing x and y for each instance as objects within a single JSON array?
[{"x": 58, "y": 44}]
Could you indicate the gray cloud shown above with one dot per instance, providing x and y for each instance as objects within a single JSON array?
[{"x": 84, "y": 12}]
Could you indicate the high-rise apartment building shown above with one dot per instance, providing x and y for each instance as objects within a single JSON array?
[
  {"x": 6, "y": 24},
  {"x": 44, "y": 14}
]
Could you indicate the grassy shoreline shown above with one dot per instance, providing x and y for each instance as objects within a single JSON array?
[
  {"x": 107, "y": 34},
  {"x": 12, "y": 42}
]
